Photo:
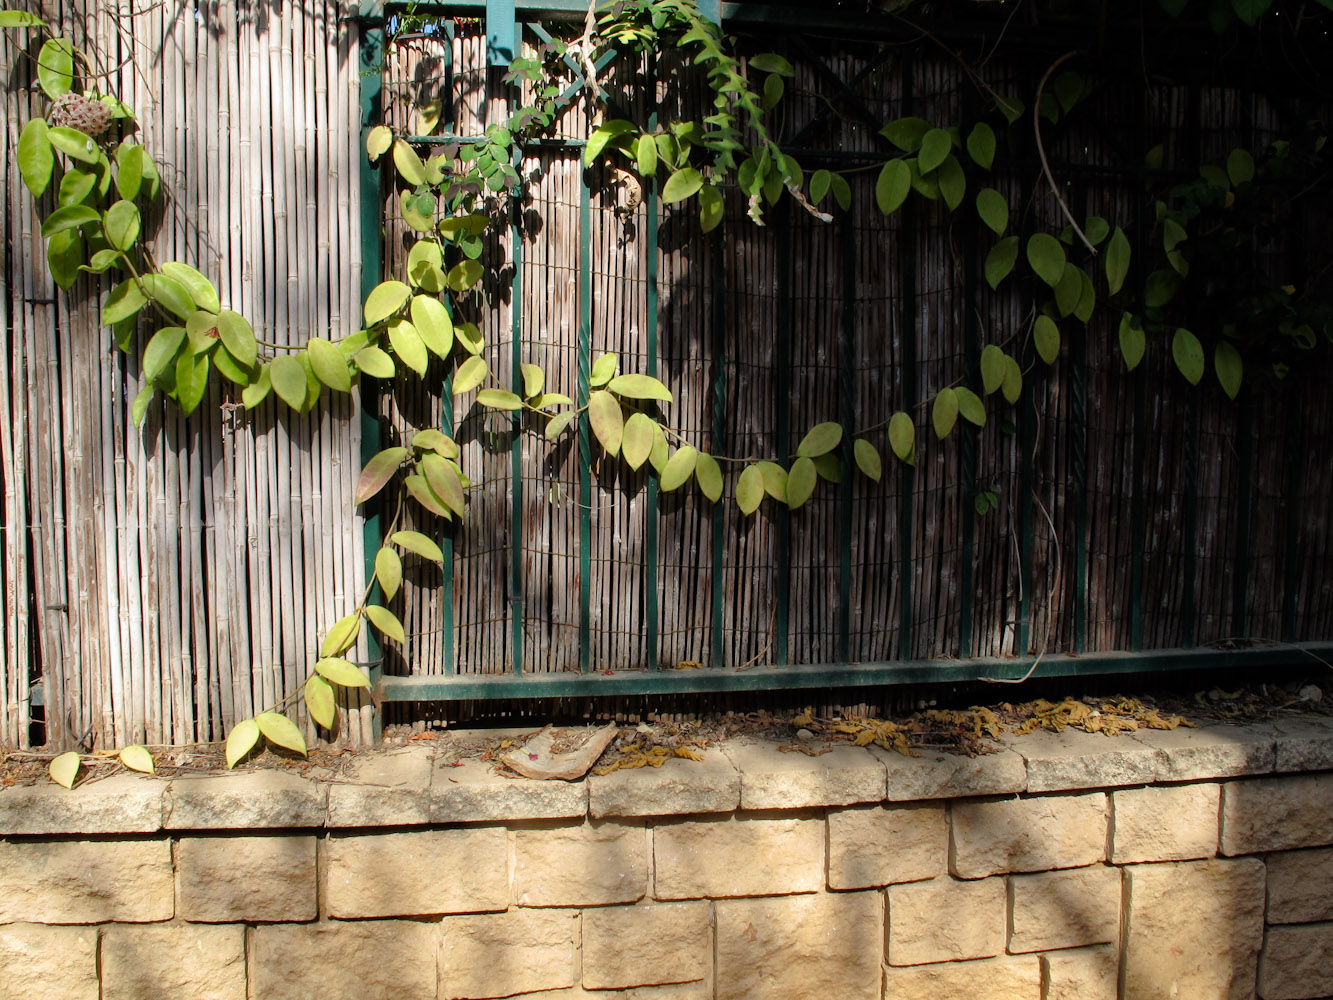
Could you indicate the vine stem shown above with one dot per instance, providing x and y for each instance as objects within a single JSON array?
[{"x": 1041, "y": 150}]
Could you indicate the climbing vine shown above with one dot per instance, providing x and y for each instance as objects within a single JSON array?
[{"x": 95, "y": 181}]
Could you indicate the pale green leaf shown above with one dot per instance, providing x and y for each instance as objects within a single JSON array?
[
  {"x": 341, "y": 672},
  {"x": 329, "y": 364},
  {"x": 35, "y": 157},
  {"x": 557, "y": 425},
  {"x": 682, "y": 184},
  {"x": 1240, "y": 167},
  {"x": 238, "y": 337},
  {"x": 140, "y": 408},
  {"x": 55, "y": 67},
  {"x": 378, "y": 471},
  {"x": 603, "y": 370},
  {"x": 1046, "y": 337},
  {"x": 944, "y": 412},
  {"x": 433, "y": 324},
  {"x": 750, "y": 490},
  {"x": 191, "y": 380},
  {"x": 289, "y": 382},
  {"x": 170, "y": 294},
  {"x": 320, "y": 702},
  {"x": 1068, "y": 290},
  {"x": 906, "y": 133},
  {"x": 771, "y": 62},
  {"x": 607, "y": 420},
  {"x": 137, "y": 758},
  {"x": 199, "y": 288},
  {"x": 471, "y": 373},
  {"x": 499, "y": 399},
  {"x": 409, "y": 164},
  {"x": 636, "y": 386},
  {"x": 709, "y": 476},
  {"x": 342, "y": 636},
  {"x": 384, "y": 300},
  {"x": 679, "y": 468},
  {"x": 534, "y": 380},
  {"x": 407, "y": 345},
  {"x": 867, "y": 459},
  {"x": 1160, "y": 288},
  {"x": 970, "y": 406},
  {"x": 902, "y": 437},
  {"x": 1012, "y": 387},
  {"x": 375, "y": 363},
  {"x": 444, "y": 480},
  {"x": 241, "y": 740},
  {"x": 1188, "y": 355},
  {"x": 378, "y": 141},
  {"x": 657, "y": 457},
  {"x": 415, "y": 541},
  {"x": 636, "y": 444},
  {"x": 820, "y": 440},
  {"x": 281, "y": 730},
  {"x": 712, "y": 208},
  {"x": 775, "y": 480},
  {"x": 386, "y": 621},
  {"x": 388, "y": 571},
  {"x": 992, "y": 368},
  {"x": 801, "y": 482},
  {"x": 20, "y": 19},
  {"x": 64, "y": 769}
]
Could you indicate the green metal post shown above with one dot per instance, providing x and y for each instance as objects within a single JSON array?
[
  {"x": 782, "y": 420},
  {"x": 847, "y": 415},
  {"x": 719, "y": 434},
  {"x": 585, "y": 429},
  {"x": 652, "y": 623}
]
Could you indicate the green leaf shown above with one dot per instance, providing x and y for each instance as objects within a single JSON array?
[
  {"x": 342, "y": 636},
  {"x": 902, "y": 437},
  {"x": 906, "y": 133},
  {"x": 867, "y": 459},
  {"x": 241, "y": 740},
  {"x": 137, "y": 758},
  {"x": 993, "y": 209},
  {"x": 377, "y": 472},
  {"x": 679, "y": 468},
  {"x": 378, "y": 141},
  {"x": 1012, "y": 387},
  {"x": 71, "y": 217},
  {"x": 682, "y": 184},
  {"x": 257, "y": 391},
  {"x": 329, "y": 364},
  {"x": 603, "y": 369},
  {"x": 1132, "y": 341},
  {"x": 121, "y": 225},
  {"x": 375, "y": 363},
  {"x": 657, "y": 457},
  {"x": 1087, "y": 297},
  {"x": 20, "y": 19},
  {"x": 709, "y": 476},
  {"x": 384, "y": 300},
  {"x": 820, "y": 440},
  {"x": 170, "y": 294},
  {"x": 547, "y": 399},
  {"x": 471, "y": 373},
  {"x": 1068, "y": 290},
  {"x": 953, "y": 184},
  {"x": 842, "y": 192},
  {"x": 750, "y": 490},
  {"x": 140, "y": 408},
  {"x": 191, "y": 380},
  {"x": 419, "y": 490},
  {"x": 636, "y": 443},
  {"x": 281, "y": 730},
  {"x": 1117, "y": 260},
  {"x": 534, "y": 380},
  {"x": 386, "y": 621},
  {"x": 320, "y": 702},
  {"x": 409, "y": 164},
  {"x": 801, "y": 481},
  {"x": 1188, "y": 355},
  {"x": 935, "y": 146},
  {"x": 1250, "y": 11},
  {"x": 1160, "y": 288},
  {"x": 895, "y": 181},
  {"x": 771, "y": 62},
  {"x": 1096, "y": 229},
  {"x": 1229, "y": 367},
  {"x": 1240, "y": 164},
  {"x": 1046, "y": 337},
  {"x": 712, "y": 208},
  {"x": 820, "y": 182},
  {"x": 238, "y": 337},
  {"x": 389, "y": 571},
  {"x": 160, "y": 353},
  {"x": 469, "y": 337},
  {"x": 200, "y": 289},
  {"x": 557, "y": 424},
  {"x": 1000, "y": 261},
  {"x": 992, "y": 368},
  {"x": 1047, "y": 258},
  {"x": 499, "y": 399},
  {"x": 64, "y": 769},
  {"x": 74, "y": 144},
  {"x": 944, "y": 414},
  {"x": 65, "y": 255},
  {"x": 443, "y": 478},
  {"x": 981, "y": 145},
  {"x": 36, "y": 159},
  {"x": 55, "y": 67},
  {"x": 125, "y": 301},
  {"x": 636, "y": 386},
  {"x": 970, "y": 406},
  {"x": 645, "y": 155},
  {"x": 829, "y": 467},
  {"x": 341, "y": 672},
  {"x": 288, "y": 377},
  {"x": 407, "y": 345},
  {"x": 603, "y": 135},
  {"x": 415, "y": 541},
  {"x": 775, "y": 479},
  {"x": 607, "y": 420}
]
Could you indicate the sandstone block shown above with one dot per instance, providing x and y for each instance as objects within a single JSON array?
[
  {"x": 682, "y": 991},
  {"x": 48, "y": 963},
  {"x": 1300, "y": 886},
  {"x": 800, "y": 946},
  {"x": 245, "y": 801},
  {"x": 1194, "y": 929},
  {"x": 771, "y": 779},
  {"x": 1209, "y": 752},
  {"x": 1074, "y": 759},
  {"x": 946, "y": 776},
  {"x": 203, "y": 963},
  {"x": 886, "y": 844},
  {"x": 1277, "y": 814},
  {"x": 120, "y": 804},
  {"x": 1164, "y": 823},
  {"x": 368, "y": 960},
  {"x": 1064, "y": 909},
  {"x": 85, "y": 881},
  {"x": 1304, "y": 744},
  {"x": 1027, "y": 834},
  {"x": 1081, "y": 973},
  {"x": 945, "y": 920},
  {"x": 222, "y": 879},
  {"x": 500, "y": 954},
  {"x": 739, "y": 856},
  {"x": 585, "y": 865},
  {"x": 1295, "y": 963},
  {"x": 383, "y": 789},
  {"x": 417, "y": 872},
  {"x": 678, "y": 787},
  {"x": 473, "y": 792},
  {"x": 626, "y": 946},
  {"x": 993, "y": 978}
]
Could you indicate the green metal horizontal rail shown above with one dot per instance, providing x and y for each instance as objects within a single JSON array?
[{"x": 796, "y": 677}]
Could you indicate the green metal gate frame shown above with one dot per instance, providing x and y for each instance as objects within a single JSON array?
[{"x": 503, "y": 27}]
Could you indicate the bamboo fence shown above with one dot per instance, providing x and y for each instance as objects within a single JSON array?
[{"x": 163, "y": 583}]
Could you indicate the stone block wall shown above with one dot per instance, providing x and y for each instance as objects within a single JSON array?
[{"x": 1192, "y": 864}]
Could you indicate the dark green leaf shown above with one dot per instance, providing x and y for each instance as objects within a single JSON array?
[
  {"x": 906, "y": 133},
  {"x": 981, "y": 145},
  {"x": 1117, "y": 260},
  {"x": 682, "y": 184},
  {"x": 1046, "y": 337},
  {"x": 1188, "y": 355},
  {"x": 125, "y": 300},
  {"x": 1000, "y": 261},
  {"x": 1229, "y": 367},
  {"x": 1047, "y": 258},
  {"x": 36, "y": 159},
  {"x": 935, "y": 146},
  {"x": 55, "y": 67},
  {"x": 895, "y": 181},
  {"x": 993, "y": 209}
]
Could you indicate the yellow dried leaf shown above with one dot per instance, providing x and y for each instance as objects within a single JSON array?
[
  {"x": 689, "y": 753},
  {"x": 864, "y": 738}
]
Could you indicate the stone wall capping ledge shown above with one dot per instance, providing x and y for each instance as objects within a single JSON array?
[{"x": 420, "y": 786}]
